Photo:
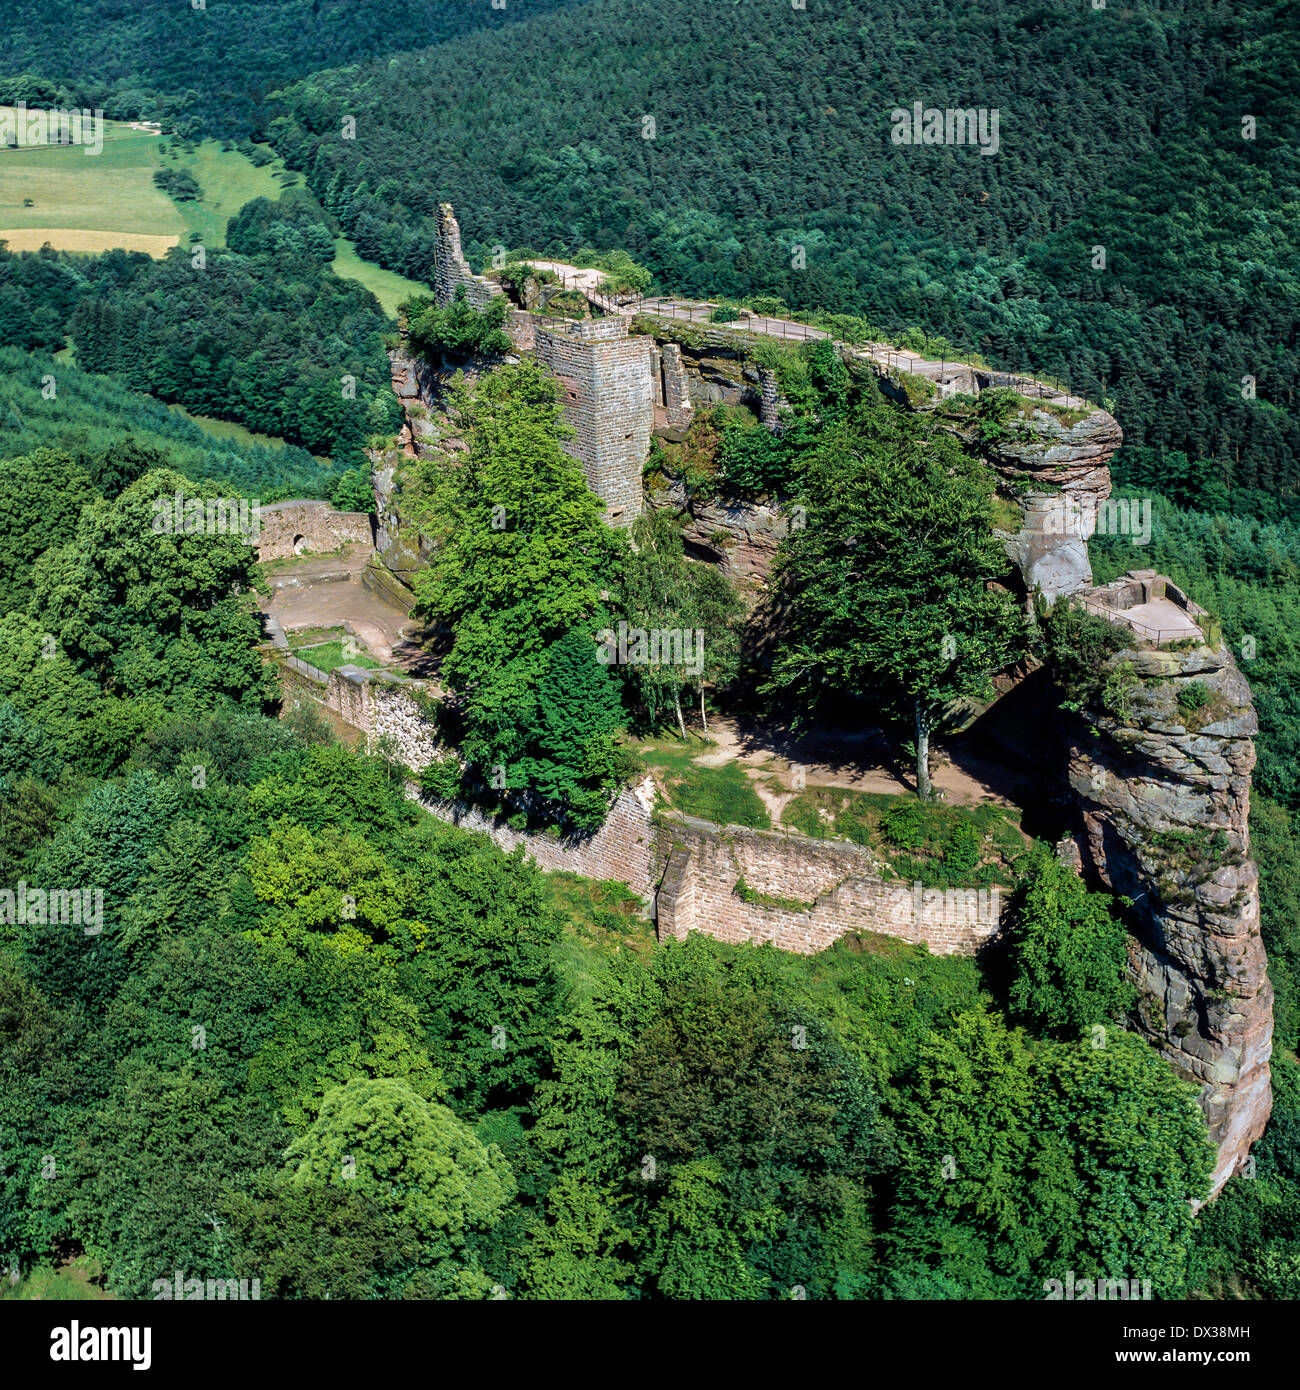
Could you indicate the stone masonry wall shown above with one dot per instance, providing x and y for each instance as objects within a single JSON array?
[
  {"x": 839, "y": 882},
  {"x": 609, "y": 396},
  {"x": 451, "y": 270},
  {"x": 624, "y": 848},
  {"x": 289, "y": 528}
]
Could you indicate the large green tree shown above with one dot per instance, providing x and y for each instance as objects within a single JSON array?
[
  {"x": 520, "y": 561},
  {"x": 888, "y": 589},
  {"x": 150, "y": 611}
]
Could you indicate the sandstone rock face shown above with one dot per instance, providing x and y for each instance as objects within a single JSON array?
[
  {"x": 1164, "y": 798},
  {"x": 1051, "y": 547},
  {"x": 741, "y": 538}
]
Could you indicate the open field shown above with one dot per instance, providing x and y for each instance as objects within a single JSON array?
[
  {"x": 228, "y": 180},
  {"x": 93, "y": 203},
  {"x": 82, "y": 202},
  {"x": 387, "y": 286},
  {"x": 91, "y": 243},
  {"x": 228, "y": 429}
]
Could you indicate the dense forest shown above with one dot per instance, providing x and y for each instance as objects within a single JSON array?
[
  {"x": 1121, "y": 134},
  {"x": 262, "y": 332},
  {"x": 211, "y": 66},
  {"x": 1140, "y": 210},
  {"x": 51, "y": 403},
  {"x": 295, "y": 965}
]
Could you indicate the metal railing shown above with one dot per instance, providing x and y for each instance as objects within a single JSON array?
[
  {"x": 305, "y": 668},
  {"x": 893, "y": 359},
  {"x": 1156, "y": 635}
]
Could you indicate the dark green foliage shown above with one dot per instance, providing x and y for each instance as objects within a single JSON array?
[
  {"x": 888, "y": 592},
  {"x": 150, "y": 613},
  {"x": 159, "y": 61},
  {"x": 1020, "y": 1163},
  {"x": 752, "y": 459},
  {"x": 516, "y": 576},
  {"x": 459, "y": 329},
  {"x": 290, "y": 230},
  {"x": 784, "y": 140},
  {"x": 115, "y": 434},
  {"x": 354, "y": 492},
  {"x": 1078, "y": 645},
  {"x": 179, "y": 184},
  {"x": 570, "y": 756},
  {"x": 1275, "y": 844},
  {"x": 41, "y": 497},
  {"x": 1068, "y": 955},
  {"x": 271, "y": 337}
]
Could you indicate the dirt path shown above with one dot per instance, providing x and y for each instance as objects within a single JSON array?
[{"x": 858, "y": 760}]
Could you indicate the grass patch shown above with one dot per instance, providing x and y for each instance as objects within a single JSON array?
[
  {"x": 328, "y": 656},
  {"x": 723, "y": 794},
  {"x": 941, "y": 846},
  {"x": 752, "y": 895},
  {"x": 87, "y": 203},
  {"x": 231, "y": 429},
  {"x": 602, "y": 919},
  {"x": 1007, "y": 516},
  {"x": 387, "y": 286},
  {"x": 227, "y": 180},
  {"x": 70, "y": 1282}
]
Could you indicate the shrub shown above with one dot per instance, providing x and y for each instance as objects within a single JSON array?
[
  {"x": 903, "y": 826},
  {"x": 459, "y": 328},
  {"x": 962, "y": 852},
  {"x": 353, "y": 492},
  {"x": 441, "y": 779},
  {"x": 1193, "y": 696}
]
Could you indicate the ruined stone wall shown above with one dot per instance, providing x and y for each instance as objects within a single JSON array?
[
  {"x": 299, "y": 527},
  {"x": 830, "y": 889},
  {"x": 624, "y": 848},
  {"x": 608, "y": 395},
  {"x": 1164, "y": 800},
  {"x": 450, "y": 269}
]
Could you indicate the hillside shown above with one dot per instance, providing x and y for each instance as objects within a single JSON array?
[
  {"x": 1119, "y": 129},
  {"x": 217, "y": 61}
]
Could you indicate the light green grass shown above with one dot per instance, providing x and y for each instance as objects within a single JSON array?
[
  {"x": 92, "y": 203},
  {"x": 723, "y": 794},
  {"x": 328, "y": 656},
  {"x": 923, "y": 852},
  {"x": 228, "y": 429},
  {"x": 113, "y": 130},
  {"x": 387, "y": 286},
  {"x": 73, "y": 1282},
  {"x": 227, "y": 179},
  {"x": 109, "y": 193}
]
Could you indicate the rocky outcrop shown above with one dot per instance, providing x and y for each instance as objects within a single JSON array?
[
  {"x": 741, "y": 538},
  {"x": 1052, "y": 459},
  {"x": 1163, "y": 791},
  {"x": 1058, "y": 471}
]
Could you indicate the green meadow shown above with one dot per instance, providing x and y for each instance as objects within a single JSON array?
[
  {"x": 87, "y": 202},
  {"x": 91, "y": 203}
]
